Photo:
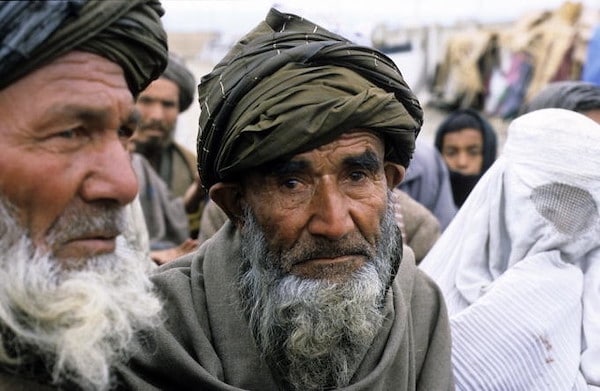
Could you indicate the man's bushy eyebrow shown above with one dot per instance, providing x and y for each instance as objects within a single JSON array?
[
  {"x": 100, "y": 115},
  {"x": 367, "y": 160},
  {"x": 283, "y": 167},
  {"x": 79, "y": 111}
]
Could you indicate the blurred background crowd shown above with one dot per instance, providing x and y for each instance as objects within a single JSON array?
[{"x": 483, "y": 55}]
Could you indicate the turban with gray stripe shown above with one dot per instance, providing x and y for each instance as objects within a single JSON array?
[
  {"x": 290, "y": 86},
  {"x": 127, "y": 32}
]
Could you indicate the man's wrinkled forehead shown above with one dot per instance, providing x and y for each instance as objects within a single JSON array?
[
  {"x": 368, "y": 160},
  {"x": 367, "y": 151}
]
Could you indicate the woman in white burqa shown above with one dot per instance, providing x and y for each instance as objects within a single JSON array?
[{"x": 519, "y": 265}]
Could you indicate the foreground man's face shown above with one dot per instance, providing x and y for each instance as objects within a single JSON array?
[
  {"x": 62, "y": 147},
  {"x": 336, "y": 192}
]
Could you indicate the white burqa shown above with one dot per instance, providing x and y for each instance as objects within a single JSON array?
[{"x": 519, "y": 265}]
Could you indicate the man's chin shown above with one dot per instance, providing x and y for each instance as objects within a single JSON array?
[{"x": 149, "y": 145}]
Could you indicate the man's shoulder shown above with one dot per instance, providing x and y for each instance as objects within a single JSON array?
[
  {"x": 418, "y": 288},
  {"x": 183, "y": 149},
  {"x": 179, "y": 269},
  {"x": 187, "y": 153},
  {"x": 181, "y": 286},
  {"x": 425, "y": 285}
]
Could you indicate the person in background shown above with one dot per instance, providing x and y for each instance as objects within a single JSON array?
[
  {"x": 303, "y": 136},
  {"x": 160, "y": 105},
  {"x": 427, "y": 181},
  {"x": 418, "y": 226},
  {"x": 164, "y": 216},
  {"x": 524, "y": 253},
  {"x": 72, "y": 293},
  {"x": 468, "y": 145},
  {"x": 576, "y": 95}
]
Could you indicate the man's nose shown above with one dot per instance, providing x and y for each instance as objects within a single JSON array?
[
  {"x": 155, "y": 111},
  {"x": 330, "y": 212},
  {"x": 110, "y": 175}
]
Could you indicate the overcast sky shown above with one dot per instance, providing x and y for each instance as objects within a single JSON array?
[{"x": 238, "y": 16}]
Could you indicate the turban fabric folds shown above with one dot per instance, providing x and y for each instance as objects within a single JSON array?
[
  {"x": 573, "y": 95},
  {"x": 179, "y": 74},
  {"x": 128, "y": 33},
  {"x": 289, "y": 86}
]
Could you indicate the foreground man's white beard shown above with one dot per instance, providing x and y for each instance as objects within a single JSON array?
[
  {"x": 77, "y": 323},
  {"x": 314, "y": 333}
]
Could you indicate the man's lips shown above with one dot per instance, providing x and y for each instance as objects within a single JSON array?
[
  {"x": 87, "y": 245},
  {"x": 335, "y": 268},
  {"x": 327, "y": 260}
]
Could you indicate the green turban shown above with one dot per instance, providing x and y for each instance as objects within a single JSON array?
[
  {"x": 179, "y": 74},
  {"x": 127, "y": 32},
  {"x": 290, "y": 86}
]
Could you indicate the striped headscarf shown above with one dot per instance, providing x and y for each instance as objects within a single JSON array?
[{"x": 127, "y": 32}]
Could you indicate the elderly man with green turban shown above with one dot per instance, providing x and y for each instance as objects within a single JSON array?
[
  {"x": 303, "y": 136},
  {"x": 72, "y": 292}
]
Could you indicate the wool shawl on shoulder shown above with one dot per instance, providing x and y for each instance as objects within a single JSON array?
[{"x": 206, "y": 344}]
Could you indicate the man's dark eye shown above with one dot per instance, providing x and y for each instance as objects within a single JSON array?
[
  {"x": 68, "y": 134},
  {"x": 290, "y": 183},
  {"x": 71, "y": 133},
  {"x": 357, "y": 175}
]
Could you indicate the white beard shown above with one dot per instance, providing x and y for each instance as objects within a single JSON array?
[{"x": 78, "y": 322}]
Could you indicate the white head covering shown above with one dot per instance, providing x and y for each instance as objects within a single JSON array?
[{"x": 519, "y": 265}]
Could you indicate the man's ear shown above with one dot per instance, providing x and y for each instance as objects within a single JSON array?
[
  {"x": 394, "y": 173},
  {"x": 228, "y": 195}
]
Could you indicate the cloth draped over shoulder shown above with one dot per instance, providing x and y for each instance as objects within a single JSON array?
[
  {"x": 289, "y": 86},
  {"x": 206, "y": 342},
  {"x": 519, "y": 265},
  {"x": 420, "y": 228},
  {"x": 163, "y": 212},
  {"x": 427, "y": 181},
  {"x": 130, "y": 33}
]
